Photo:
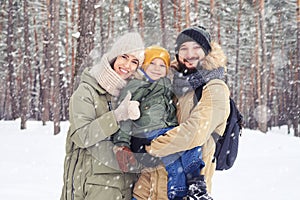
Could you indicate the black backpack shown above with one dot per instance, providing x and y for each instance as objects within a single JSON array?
[{"x": 226, "y": 145}]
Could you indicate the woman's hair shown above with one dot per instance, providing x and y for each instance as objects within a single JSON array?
[{"x": 112, "y": 62}]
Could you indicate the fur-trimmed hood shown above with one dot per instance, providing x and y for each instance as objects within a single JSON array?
[{"x": 215, "y": 59}]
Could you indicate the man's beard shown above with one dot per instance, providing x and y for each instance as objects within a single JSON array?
[{"x": 182, "y": 68}]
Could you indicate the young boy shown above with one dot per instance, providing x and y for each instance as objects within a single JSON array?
[{"x": 158, "y": 115}]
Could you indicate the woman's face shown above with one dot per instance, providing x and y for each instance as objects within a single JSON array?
[
  {"x": 156, "y": 69},
  {"x": 190, "y": 53},
  {"x": 125, "y": 65}
]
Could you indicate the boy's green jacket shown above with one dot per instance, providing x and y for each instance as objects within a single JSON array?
[{"x": 156, "y": 106}]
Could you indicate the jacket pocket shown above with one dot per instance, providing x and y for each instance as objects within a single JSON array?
[{"x": 104, "y": 168}]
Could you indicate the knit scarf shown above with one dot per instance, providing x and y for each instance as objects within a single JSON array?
[
  {"x": 183, "y": 84},
  {"x": 107, "y": 77}
]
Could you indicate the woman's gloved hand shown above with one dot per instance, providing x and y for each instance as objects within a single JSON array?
[
  {"x": 127, "y": 109},
  {"x": 124, "y": 157}
]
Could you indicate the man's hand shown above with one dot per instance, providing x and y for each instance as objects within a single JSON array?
[
  {"x": 124, "y": 157},
  {"x": 148, "y": 149}
]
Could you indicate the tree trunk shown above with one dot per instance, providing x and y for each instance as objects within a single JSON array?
[
  {"x": 187, "y": 14},
  {"x": 197, "y": 14},
  {"x": 102, "y": 31},
  {"x": 37, "y": 80},
  {"x": 272, "y": 88},
  {"x": 3, "y": 111},
  {"x": 86, "y": 39},
  {"x": 179, "y": 15},
  {"x": 289, "y": 89},
  {"x": 237, "y": 86},
  {"x": 55, "y": 65},
  {"x": 141, "y": 19},
  {"x": 250, "y": 99},
  {"x": 45, "y": 78},
  {"x": 131, "y": 14},
  {"x": 35, "y": 101},
  {"x": 256, "y": 87},
  {"x": 113, "y": 20},
  {"x": 26, "y": 69},
  {"x": 264, "y": 97},
  {"x": 297, "y": 77},
  {"x": 219, "y": 30},
  {"x": 12, "y": 108},
  {"x": 110, "y": 19},
  {"x": 73, "y": 42},
  {"x": 3, "y": 88},
  {"x": 293, "y": 88},
  {"x": 175, "y": 14},
  {"x": 284, "y": 94},
  {"x": 163, "y": 22},
  {"x": 2, "y": 7},
  {"x": 66, "y": 92},
  {"x": 258, "y": 70},
  {"x": 212, "y": 19}
]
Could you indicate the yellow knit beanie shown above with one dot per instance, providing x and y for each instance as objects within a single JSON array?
[{"x": 153, "y": 52}]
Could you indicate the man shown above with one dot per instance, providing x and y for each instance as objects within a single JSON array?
[{"x": 199, "y": 62}]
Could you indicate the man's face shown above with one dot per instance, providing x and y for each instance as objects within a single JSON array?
[{"x": 190, "y": 53}]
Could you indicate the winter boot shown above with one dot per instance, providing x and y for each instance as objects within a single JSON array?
[{"x": 197, "y": 189}]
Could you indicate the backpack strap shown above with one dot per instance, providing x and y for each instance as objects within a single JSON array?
[
  {"x": 215, "y": 136},
  {"x": 198, "y": 93}
]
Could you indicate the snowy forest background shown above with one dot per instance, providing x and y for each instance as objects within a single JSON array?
[{"x": 45, "y": 44}]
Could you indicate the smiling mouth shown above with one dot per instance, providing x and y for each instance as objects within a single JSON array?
[
  {"x": 124, "y": 71},
  {"x": 190, "y": 61},
  {"x": 156, "y": 74}
]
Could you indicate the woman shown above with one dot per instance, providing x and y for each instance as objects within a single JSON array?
[{"x": 91, "y": 170}]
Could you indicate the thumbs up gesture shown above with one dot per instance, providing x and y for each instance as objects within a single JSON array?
[{"x": 127, "y": 109}]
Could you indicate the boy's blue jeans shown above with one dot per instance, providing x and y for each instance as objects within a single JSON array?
[{"x": 181, "y": 166}]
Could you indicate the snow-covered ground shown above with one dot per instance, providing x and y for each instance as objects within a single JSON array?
[{"x": 31, "y": 165}]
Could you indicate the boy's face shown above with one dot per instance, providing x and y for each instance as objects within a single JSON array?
[
  {"x": 156, "y": 69},
  {"x": 125, "y": 65},
  {"x": 190, "y": 53}
]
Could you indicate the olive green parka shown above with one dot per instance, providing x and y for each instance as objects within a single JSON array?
[{"x": 90, "y": 161}]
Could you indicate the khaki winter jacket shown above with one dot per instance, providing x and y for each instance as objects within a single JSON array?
[
  {"x": 197, "y": 125},
  {"x": 152, "y": 184},
  {"x": 90, "y": 161}
]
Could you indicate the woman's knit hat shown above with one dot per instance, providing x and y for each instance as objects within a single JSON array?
[
  {"x": 153, "y": 52},
  {"x": 197, "y": 34},
  {"x": 131, "y": 44}
]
